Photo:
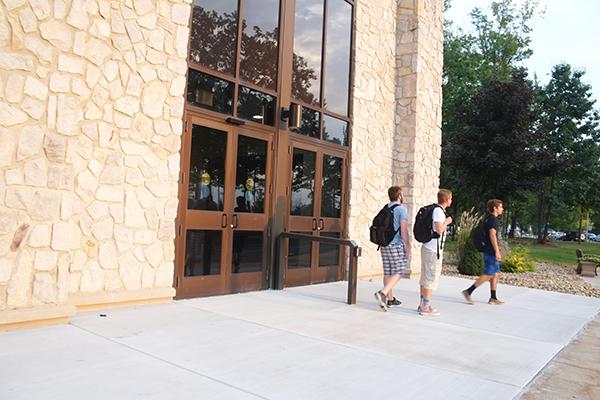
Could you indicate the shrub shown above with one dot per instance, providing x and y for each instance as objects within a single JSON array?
[
  {"x": 591, "y": 258},
  {"x": 518, "y": 261},
  {"x": 470, "y": 261}
]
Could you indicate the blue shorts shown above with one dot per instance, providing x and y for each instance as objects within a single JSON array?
[{"x": 490, "y": 265}]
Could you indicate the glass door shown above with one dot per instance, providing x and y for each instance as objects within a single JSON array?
[
  {"x": 223, "y": 217},
  {"x": 316, "y": 208}
]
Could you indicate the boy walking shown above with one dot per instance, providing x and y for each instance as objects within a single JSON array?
[
  {"x": 491, "y": 254},
  {"x": 395, "y": 255},
  {"x": 432, "y": 253}
]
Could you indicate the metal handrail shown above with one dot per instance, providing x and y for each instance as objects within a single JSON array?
[{"x": 355, "y": 252}]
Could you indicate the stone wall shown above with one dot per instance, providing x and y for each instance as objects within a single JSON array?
[
  {"x": 397, "y": 114},
  {"x": 91, "y": 104}
]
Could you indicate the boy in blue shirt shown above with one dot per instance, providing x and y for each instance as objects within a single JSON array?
[{"x": 395, "y": 255}]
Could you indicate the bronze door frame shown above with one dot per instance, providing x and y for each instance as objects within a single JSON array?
[
  {"x": 277, "y": 210},
  {"x": 226, "y": 221},
  {"x": 316, "y": 224}
]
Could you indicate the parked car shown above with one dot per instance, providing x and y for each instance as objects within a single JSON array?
[
  {"x": 572, "y": 236},
  {"x": 591, "y": 236}
]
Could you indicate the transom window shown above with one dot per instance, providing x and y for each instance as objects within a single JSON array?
[{"x": 234, "y": 70}]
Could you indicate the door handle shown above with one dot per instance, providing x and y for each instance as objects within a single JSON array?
[
  {"x": 224, "y": 221},
  {"x": 321, "y": 224},
  {"x": 234, "y": 221},
  {"x": 314, "y": 224}
]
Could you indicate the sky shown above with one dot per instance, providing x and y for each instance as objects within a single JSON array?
[{"x": 569, "y": 31}]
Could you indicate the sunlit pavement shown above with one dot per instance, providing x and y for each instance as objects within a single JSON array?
[{"x": 300, "y": 343}]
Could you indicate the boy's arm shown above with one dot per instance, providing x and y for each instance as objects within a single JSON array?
[
  {"x": 494, "y": 242},
  {"x": 404, "y": 234}
]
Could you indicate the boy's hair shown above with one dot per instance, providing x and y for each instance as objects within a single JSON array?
[
  {"x": 394, "y": 192},
  {"x": 493, "y": 203},
  {"x": 443, "y": 195}
]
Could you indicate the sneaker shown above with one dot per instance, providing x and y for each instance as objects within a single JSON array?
[
  {"x": 382, "y": 300},
  {"x": 495, "y": 302},
  {"x": 468, "y": 298},
  {"x": 393, "y": 302},
  {"x": 428, "y": 311}
]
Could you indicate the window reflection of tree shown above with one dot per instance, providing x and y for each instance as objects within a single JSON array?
[
  {"x": 301, "y": 80},
  {"x": 207, "y": 156},
  {"x": 213, "y": 39},
  {"x": 251, "y": 164},
  {"x": 303, "y": 183},
  {"x": 331, "y": 201},
  {"x": 258, "y": 57},
  {"x": 310, "y": 122},
  {"x": 213, "y": 44}
]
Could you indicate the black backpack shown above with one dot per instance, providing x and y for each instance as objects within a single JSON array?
[
  {"x": 478, "y": 236},
  {"x": 382, "y": 230},
  {"x": 423, "y": 228}
]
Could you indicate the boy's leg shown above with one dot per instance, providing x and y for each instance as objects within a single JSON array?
[
  {"x": 493, "y": 285},
  {"x": 430, "y": 272},
  {"x": 390, "y": 282},
  {"x": 386, "y": 280},
  {"x": 468, "y": 292}
]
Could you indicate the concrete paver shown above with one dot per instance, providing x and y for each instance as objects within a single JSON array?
[{"x": 299, "y": 343}]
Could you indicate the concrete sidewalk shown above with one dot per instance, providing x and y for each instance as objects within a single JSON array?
[{"x": 301, "y": 343}]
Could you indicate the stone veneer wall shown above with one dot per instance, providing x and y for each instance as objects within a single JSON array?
[
  {"x": 397, "y": 114},
  {"x": 91, "y": 104}
]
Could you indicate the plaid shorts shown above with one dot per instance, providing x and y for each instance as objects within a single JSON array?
[{"x": 394, "y": 259}]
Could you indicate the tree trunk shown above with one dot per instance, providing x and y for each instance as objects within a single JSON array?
[
  {"x": 513, "y": 224},
  {"x": 540, "y": 214},
  {"x": 548, "y": 212}
]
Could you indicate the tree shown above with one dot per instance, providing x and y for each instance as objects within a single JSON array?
[
  {"x": 492, "y": 158},
  {"x": 567, "y": 143},
  {"x": 471, "y": 61}
]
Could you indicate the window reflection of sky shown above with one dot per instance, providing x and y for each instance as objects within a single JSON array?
[
  {"x": 255, "y": 14},
  {"x": 337, "y": 70},
  {"x": 308, "y": 34},
  {"x": 220, "y": 6}
]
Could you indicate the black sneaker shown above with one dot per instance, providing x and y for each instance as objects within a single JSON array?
[{"x": 394, "y": 302}]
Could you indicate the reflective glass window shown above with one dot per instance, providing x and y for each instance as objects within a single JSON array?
[
  {"x": 331, "y": 199},
  {"x": 250, "y": 179},
  {"x": 337, "y": 56},
  {"x": 308, "y": 40},
  {"x": 335, "y": 130},
  {"x": 260, "y": 37},
  {"x": 207, "y": 169},
  {"x": 303, "y": 182},
  {"x": 256, "y": 106},
  {"x": 247, "y": 253},
  {"x": 310, "y": 124},
  {"x": 209, "y": 92},
  {"x": 202, "y": 253},
  {"x": 299, "y": 253},
  {"x": 213, "y": 34},
  {"x": 329, "y": 254}
]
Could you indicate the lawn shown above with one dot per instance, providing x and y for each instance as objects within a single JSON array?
[{"x": 555, "y": 252}]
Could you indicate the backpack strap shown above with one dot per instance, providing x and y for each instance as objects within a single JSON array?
[
  {"x": 438, "y": 245},
  {"x": 392, "y": 208}
]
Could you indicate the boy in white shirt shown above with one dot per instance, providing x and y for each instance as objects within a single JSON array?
[{"x": 432, "y": 252}]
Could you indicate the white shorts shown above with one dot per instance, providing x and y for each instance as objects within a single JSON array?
[{"x": 431, "y": 269}]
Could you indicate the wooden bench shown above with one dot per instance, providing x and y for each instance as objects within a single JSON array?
[{"x": 584, "y": 267}]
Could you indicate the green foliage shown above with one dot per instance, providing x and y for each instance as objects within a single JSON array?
[
  {"x": 481, "y": 99},
  {"x": 470, "y": 261},
  {"x": 591, "y": 258},
  {"x": 518, "y": 261}
]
